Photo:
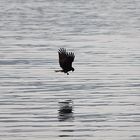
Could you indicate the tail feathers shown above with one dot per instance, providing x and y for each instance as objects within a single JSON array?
[{"x": 58, "y": 70}]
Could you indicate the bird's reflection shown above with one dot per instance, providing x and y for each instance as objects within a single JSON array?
[{"x": 65, "y": 110}]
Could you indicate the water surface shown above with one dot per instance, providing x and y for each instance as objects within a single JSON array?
[{"x": 105, "y": 87}]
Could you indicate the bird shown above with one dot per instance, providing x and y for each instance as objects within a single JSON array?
[{"x": 65, "y": 60}]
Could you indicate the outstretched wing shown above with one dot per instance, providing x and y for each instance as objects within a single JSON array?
[{"x": 65, "y": 59}]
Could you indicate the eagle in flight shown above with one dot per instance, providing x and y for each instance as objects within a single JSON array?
[{"x": 65, "y": 60}]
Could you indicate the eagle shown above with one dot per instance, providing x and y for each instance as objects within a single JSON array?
[{"x": 65, "y": 60}]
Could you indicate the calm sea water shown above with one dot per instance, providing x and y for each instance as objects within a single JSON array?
[{"x": 105, "y": 87}]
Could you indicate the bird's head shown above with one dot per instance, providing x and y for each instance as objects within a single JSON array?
[{"x": 72, "y": 69}]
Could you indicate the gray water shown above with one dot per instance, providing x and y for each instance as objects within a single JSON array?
[{"x": 105, "y": 86}]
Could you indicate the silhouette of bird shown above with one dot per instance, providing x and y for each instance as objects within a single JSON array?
[
  {"x": 66, "y": 107},
  {"x": 65, "y": 60}
]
